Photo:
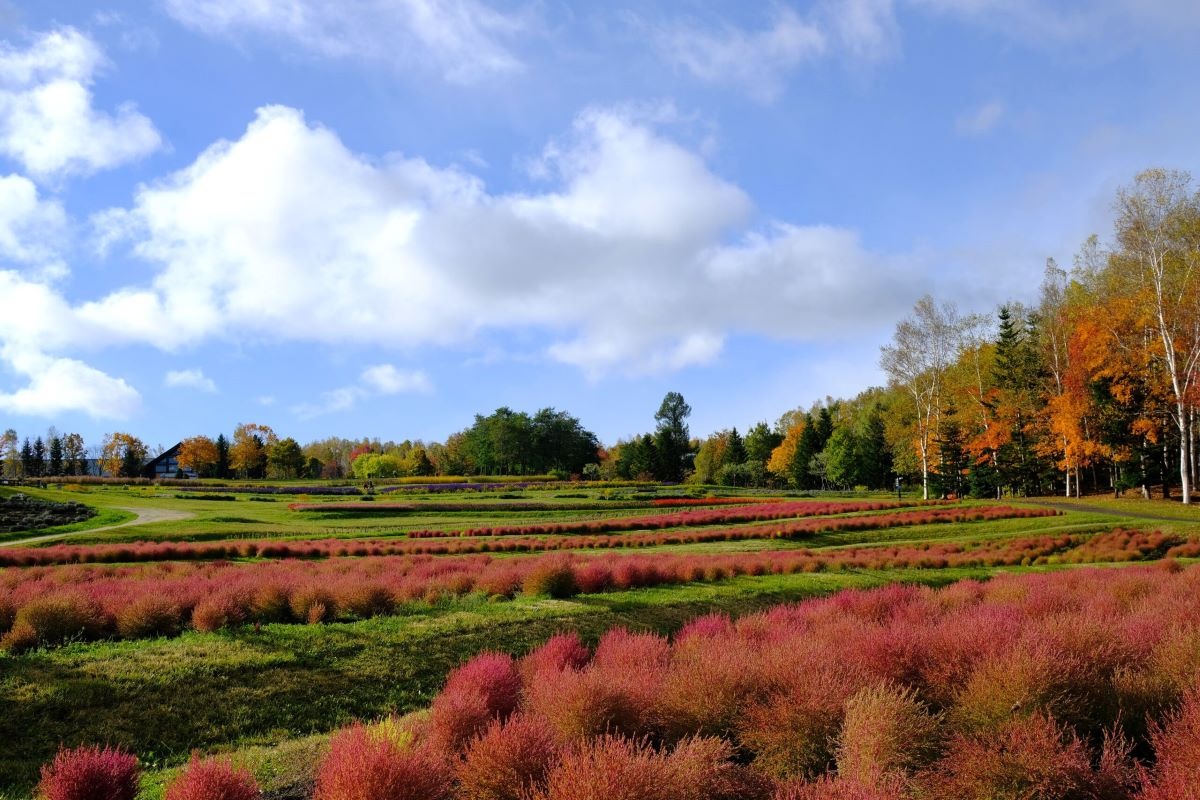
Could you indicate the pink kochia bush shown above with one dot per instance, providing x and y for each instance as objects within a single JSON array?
[
  {"x": 57, "y": 604},
  {"x": 90, "y": 773},
  {"x": 212, "y": 779},
  {"x": 1071, "y": 685},
  {"x": 372, "y": 764},
  {"x": 864, "y": 695}
]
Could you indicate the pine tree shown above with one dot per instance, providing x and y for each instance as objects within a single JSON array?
[
  {"x": 735, "y": 449},
  {"x": 222, "y": 468},
  {"x": 56, "y": 457},
  {"x": 27, "y": 465},
  {"x": 39, "y": 458}
]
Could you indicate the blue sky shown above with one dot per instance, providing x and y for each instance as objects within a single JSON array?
[{"x": 378, "y": 217}]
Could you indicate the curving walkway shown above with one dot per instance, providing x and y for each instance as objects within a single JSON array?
[
  {"x": 142, "y": 516},
  {"x": 1112, "y": 512}
]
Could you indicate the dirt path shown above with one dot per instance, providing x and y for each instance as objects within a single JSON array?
[
  {"x": 143, "y": 516},
  {"x": 1112, "y": 512}
]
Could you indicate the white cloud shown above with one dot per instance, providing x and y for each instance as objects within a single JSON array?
[
  {"x": 386, "y": 379},
  {"x": 865, "y": 29},
  {"x": 979, "y": 121},
  {"x": 31, "y": 228},
  {"x": 757, "y": 60},
  {"x": 634, "y": 257},
  {"x": 58, "y": 385},
  {"x": 464, "y": 40},
  {"x": 377, "y": 380},
  {"x": 47, "y": 121},
  {"x": 189, "y": 379}
]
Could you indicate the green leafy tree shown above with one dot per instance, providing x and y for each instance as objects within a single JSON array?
[
  {"x": 761, "y": 441},
  {"x": 286, "y": 459}
]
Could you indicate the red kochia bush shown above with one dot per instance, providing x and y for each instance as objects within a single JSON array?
[
  {"x": 508, "y": 759},
  {"x": 1176, "y": 774},
  {"x": 90, "y": 773},
  {"x": 1027, "y": 757},
  {"x": 561, "y": 651},
  {"x": 485, "y": 688},
  {"x": 366, "y": 765},
  {"x": 212, "y": 779},
  {"x": 553, "y": 577},
  {"x": 613, "y": 768}
]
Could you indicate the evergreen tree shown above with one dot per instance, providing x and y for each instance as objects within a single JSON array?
[
  {"x": 39, "y": 458},
  {"x": 735, "y": 449},
  {"x": 874, "y": 455},
  {"x": 56, "y": 457},
  {"x": 222, "y": 468},
  {"x": 949, "y": 477},
  {"x": 28, "y": 469}
]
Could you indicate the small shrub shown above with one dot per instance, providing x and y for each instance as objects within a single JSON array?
[
  {"x": 53, "y": 620},
  {"x": 361, "y": 765},
  {"x": 485, "y": 688},
  {"x": 1028, "y": 758},
  {"x": 887, "y": 732},
  {"x": 793, "y": 733},
  {"x": 270, "y": 603},
  {"x": 838, "y": 789},
  {"x": 8, "y": 612},
  {"x": 150, "y": 615},
  {"x": 508, "y": 760},
  {"x": 313, "y": 604},
  {"x": 551, "y": 577},
  {"x": 611, "y": 768},
  {"x": 212, "y": 779},
  {"x": 1176, "y": 774},
  {"x": 363, "y": 600},
  {"x": 90, "y": 773},
  {"x": 217, "y": 612},
  {"x": 561, "y": 651}
]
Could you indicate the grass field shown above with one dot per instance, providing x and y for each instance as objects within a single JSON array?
[{"x": 266, "y": 690}]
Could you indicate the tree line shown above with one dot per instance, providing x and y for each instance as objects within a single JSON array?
[{"x": 1094, "y": 387}]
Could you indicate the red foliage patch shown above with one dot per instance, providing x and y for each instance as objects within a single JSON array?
[{"x": 90, "y": 773}]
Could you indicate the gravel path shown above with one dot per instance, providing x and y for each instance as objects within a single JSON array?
[{"x": 143, "y": 516}]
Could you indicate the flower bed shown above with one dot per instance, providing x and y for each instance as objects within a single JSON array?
[{"x": 1061, "y": 686}]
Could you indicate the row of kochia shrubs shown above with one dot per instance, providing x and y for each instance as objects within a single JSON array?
[
  {"x": 324, "y": 548},
  {"x": 1077, "y": 685},
  {"x": 52, "y": 605},
  {"x": 762, "y": 512}
]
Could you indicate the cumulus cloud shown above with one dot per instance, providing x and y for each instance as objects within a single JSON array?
[
  {"x": 386, "y": 379},
  {"x": 57, "y": 385},
  {"x": 31, "y": 228},
  {"x": 189, "y": 379},
  {"x": 464, "y": 40},
  {"x": 979, "y": 121},
  {"x": 635, "y": 257},
  {"x": 47, "y": 120}
]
